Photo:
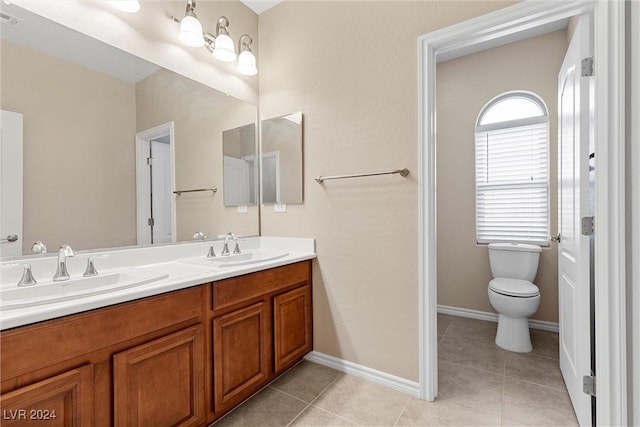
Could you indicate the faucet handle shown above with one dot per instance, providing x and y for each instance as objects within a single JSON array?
[
  {"x": 39, "y": 247},
  {"x": 237, "y": 250},
  {"x": 27, "y": 278},
  {"x": 211, "y": 253},
  {"x": 225, "y": 249},
  {"x": 91, "y": 268}
]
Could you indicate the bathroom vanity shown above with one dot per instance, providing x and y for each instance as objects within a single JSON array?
[{"x": 181, "y": 357}]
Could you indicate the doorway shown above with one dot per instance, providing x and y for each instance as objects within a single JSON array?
[
  {"x": 517, "y": 22},
  {"x": 155, "y": 182}
]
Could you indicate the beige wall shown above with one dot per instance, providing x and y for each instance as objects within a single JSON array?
[
  {"x": 350, "y": 67},
  {"x": 151, "y": 35},
  {"x": 464, "y": 86},
  {"x": 61, "y": 116},
  {"x": 200, "y": 115}
]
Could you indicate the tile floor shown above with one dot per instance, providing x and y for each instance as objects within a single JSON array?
[{"x": 479, "y": 385}]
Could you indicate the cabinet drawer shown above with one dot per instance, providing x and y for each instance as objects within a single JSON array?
[
  {"x": 80, "y": 334},
  {"x": 240, "y": 289}
]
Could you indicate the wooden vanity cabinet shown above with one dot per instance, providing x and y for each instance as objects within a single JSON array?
[
  {"x": 241, "y": 354},
  {"x": 161, "y": 382},
  {"x": 62, "y": 400},
  {"x": 84, "y": 364},
  {"x": 291, "y": 327},
  {"x": 183, "y": 358},
  {"x": 261, "y": 327}
]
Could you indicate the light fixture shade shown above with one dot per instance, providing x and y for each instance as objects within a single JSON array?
[
  {"x": 191, "y": 31},
  {"x": 247, "y": 63},
  {"x": 130, "y": 6},
  {"x": 224, "y": 49}
]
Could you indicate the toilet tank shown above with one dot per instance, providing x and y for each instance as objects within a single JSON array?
[{"x": 514, "y": 260}]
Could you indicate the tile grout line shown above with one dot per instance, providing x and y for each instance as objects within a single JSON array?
[
  {"x": 475, "y": 367},
  {"x": 298, "y": 416},
  {"x": 538, "y": 384},
  {"x": 402, "y": 412},
  {"x": 287, "y": 394},
  {"x": 340, "y": 374}
]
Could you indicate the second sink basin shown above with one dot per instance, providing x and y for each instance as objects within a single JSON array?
[
  {"x": 245, "y": 258},
  {"x": 80, "y": 287}
]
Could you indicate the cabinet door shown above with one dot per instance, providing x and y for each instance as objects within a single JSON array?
[
  {"x": 63, "y": 400},
  {"x": 241, "y": 354},
  {"x": 292, "y": 326},
  {"x": 161, "y": 383}
]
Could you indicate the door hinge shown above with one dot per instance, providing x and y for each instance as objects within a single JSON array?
[
  {"x": 588, "y": 225},
  {"x": 149, "y": 161},
  {"x": 589, "y": 385},
  {"x": 556, "y": 238},
  {"x": 587, "y": 67},
  {"x": 150, "y": 222}
]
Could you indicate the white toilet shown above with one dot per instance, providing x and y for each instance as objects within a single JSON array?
[{"x": 512, "y": 293}]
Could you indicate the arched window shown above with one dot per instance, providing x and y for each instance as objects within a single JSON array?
[{"x": 512, "y": 170}]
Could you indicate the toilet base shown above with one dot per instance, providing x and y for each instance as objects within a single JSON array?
[{"x": 513, "y": 334}]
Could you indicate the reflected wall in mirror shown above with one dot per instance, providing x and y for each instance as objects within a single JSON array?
[
  {"x": 239, "y": 165},
  {"x": 82, "y": 109},
  {"x": 281, "y": 167}
]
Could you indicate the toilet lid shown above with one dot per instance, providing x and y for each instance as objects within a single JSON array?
[{"x": 514, "y": 287}]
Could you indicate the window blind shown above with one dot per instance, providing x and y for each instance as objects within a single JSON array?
[{"x": 512, "y": 184}]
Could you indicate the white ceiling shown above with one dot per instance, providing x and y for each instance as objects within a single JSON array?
[
  {"x": 259, "y": 6},
  {"x": 41, "y": 34}
]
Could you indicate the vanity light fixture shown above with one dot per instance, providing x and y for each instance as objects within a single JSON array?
[
  {"x": 129, "y": 6},
  {"x": 221, "y": 44},
  {"x": 246, "y": 58},
  {"x": 190, "y": 27}
]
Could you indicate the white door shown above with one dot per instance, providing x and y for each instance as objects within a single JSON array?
[
  {"x": 573, "y": 250},
  {"x": 163, "y": 212},
  {"x": 161, "y": 195},
  {"x": 271, "y": 177},
  {"x": 10, "y": 184},
  {"x": 236, "y": 181}
]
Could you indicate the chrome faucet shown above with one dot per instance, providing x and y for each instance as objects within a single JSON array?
[
  {"x": 64, "y": 252},
  {"x": 225, "y": 248},
  {"x": 91, "y": 268}
]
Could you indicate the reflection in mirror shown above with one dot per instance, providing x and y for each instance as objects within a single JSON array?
[
  {"x": 90, "y": 118},
  {"x": 239, "y": 165},
  {"x": 282, "y": 159}
]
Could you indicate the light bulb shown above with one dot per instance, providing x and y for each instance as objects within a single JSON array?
[
  {"x": 130, "y": 6},
  {"x": 247, "y": 63},
  {"x": 191, "y": 31},
  {"x": 224, "y": 49}
]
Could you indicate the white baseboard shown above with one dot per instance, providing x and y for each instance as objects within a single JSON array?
[
  {"x": 493, "y": 317},
  {"x": 411, "y": 388}
]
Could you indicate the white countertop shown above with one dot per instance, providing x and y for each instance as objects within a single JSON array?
[{"x": 159, "y": 260}]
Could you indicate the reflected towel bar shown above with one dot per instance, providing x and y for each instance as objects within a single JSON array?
[
  {"x": 212, "y": 189},
  {"x": 402, "y": 172}
]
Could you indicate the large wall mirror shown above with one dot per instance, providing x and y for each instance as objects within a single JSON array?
[
  {"x": 282, "y": 159},
  {"x": 92, "y": 117}
]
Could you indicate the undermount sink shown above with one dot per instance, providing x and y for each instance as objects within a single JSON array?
[
  {"x": 233, "y": 260},
  {"x": 76, "y": 287}
]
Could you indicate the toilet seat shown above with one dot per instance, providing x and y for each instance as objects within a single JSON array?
[{"x": 514, "y": 287}]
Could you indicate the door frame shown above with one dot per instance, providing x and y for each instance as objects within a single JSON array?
[
  {"x": 12, "y": 155},
  {"x": 143, "y": 180},
  {"x": 513, "y": 23}
]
